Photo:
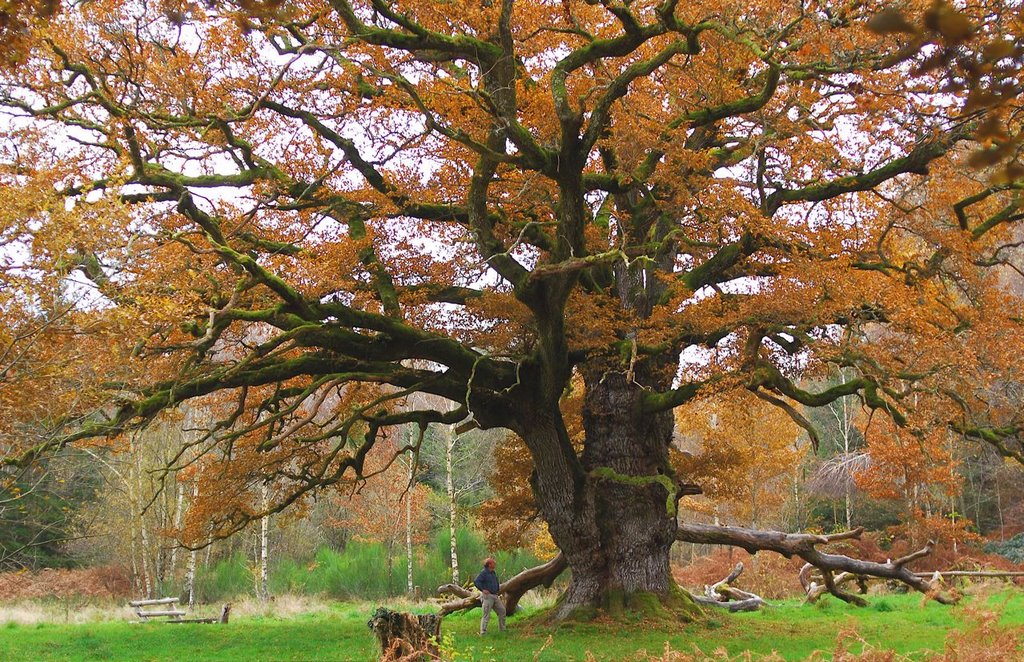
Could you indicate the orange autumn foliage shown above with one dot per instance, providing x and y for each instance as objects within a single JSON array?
[
  {"x": 375, "y": 510},
  {"x": 744, "y": 454},
  {"x": 298, "y": 216}
]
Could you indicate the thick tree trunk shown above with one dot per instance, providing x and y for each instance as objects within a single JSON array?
[
  {"x": 611, "y": 511},
  {"x": 405, "y": 636}
]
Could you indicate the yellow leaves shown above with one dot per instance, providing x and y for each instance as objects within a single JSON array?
[
  {"x": 739, "y": 446},
  {"x": 913, "y": 465}
]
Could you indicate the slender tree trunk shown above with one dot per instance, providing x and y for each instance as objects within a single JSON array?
[
  {"x": 134, "y": 549},
  {"x": 146, "y": 575},
  {"x": 450, "y": 488},
  {"x": 264, "y": 593},
  {"x": 999, "y": 509},
  {"x": 178, "y": 506},
  {"x": 848, "y": 484},
  {"x": 134, "y": 498},
  {"x": 797, "y": 514},
  {"x": 391, "y": 566},
  {"x": 409, "y": 586},
  {"x": 190, "y": 579}
]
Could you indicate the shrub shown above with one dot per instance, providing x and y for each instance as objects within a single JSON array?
[
  {"x": 227, "y": 579},
  {"x": 289, "y": 576},
  {"x": 1012, "y": 549},
  {"x": 359, "y": 572},
  {"x": 97, "y": 582}
]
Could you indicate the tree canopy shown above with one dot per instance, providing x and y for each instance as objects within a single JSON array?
[{"x": 299, "y": 216}]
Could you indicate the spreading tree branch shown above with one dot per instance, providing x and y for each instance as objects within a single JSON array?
[{"x": 513, "y": 589}]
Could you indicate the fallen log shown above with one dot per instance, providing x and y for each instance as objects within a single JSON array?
[
  {"x": 971, "y": 573},
  {"x": 815, "y": 590},
  {"x": 721, "y": 595},
  {"x": 804, "y": 545},
  {"x": 511, "y": 590}
]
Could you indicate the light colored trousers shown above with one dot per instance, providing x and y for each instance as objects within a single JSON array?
[{"x": 487, "y": 603}]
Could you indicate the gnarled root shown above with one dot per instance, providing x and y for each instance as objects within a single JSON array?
[
  {"x": 805, "y": 545},
  {"x": 511, "y": 591}
]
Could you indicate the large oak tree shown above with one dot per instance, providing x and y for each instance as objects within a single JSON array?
[{"x": 303, "y": 214}]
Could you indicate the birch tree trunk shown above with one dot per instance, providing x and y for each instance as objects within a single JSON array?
[
  {"x": 449, "y": 447},
  {"x": 190, "y": 576},
  {"x": 178, "y": 504},
  {"x": 134, "y": 493},
  {"x": 264, "y": 593},
  {"x": 846, "y": 451}
]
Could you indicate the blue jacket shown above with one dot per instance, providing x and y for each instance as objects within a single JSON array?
[{"x": 487, "y": 579}]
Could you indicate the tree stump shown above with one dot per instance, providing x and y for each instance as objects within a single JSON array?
[{"x": 405, "y": 636}]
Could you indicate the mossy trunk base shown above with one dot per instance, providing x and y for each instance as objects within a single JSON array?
[{"x": 676, "y": 606}]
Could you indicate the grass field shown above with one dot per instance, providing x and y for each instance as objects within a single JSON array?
[{"x": 794, "y": 631}]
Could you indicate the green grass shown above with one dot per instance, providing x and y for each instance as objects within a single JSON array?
[{"x": 897, "y": 622}]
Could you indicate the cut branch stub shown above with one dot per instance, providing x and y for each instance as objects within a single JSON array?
[{"x": 804, "y": 545}]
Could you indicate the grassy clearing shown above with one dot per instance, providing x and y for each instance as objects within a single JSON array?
[{"x": 338, "y": 632}]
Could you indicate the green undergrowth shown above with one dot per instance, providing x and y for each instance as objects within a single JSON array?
[
  {"x": 355, "y": 572},
  {"x": 794, "y": 631}
]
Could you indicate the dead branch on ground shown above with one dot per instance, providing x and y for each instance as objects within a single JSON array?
[
  {"x": 721, "y": 594},
  {"x": 805, "y": 546}
]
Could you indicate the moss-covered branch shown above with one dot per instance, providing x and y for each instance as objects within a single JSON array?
[{"x": 607, "y": 473}]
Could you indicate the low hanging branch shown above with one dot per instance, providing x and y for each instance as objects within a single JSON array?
[
  {"x": 805, "y": 545},
  {"x": 720, "y": 594},
  {"x": 512, "y": 590}
]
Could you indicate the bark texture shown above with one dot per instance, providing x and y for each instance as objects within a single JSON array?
[
  {"x": 405, "y": 636},
  {"x": 612, "y": 510}
]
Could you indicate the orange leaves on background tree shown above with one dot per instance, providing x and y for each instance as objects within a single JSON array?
[
  {"x": 509, "y": 519},
  {"x": 744, "y": 453},
  {"x": 914, "y": 467},
  {"x": 380, "y": 508}
]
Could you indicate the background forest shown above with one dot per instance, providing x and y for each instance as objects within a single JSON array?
[{"x": 110, "y": 522}]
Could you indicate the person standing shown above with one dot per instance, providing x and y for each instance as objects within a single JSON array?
[{"x": 487, "y": 583}]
